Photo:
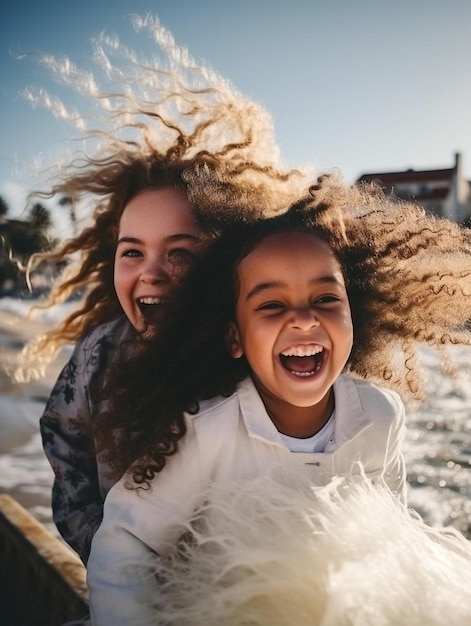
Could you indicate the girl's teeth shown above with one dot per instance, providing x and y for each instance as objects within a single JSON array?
[
  {"x": 303, "y": 373},
  {"x": 302, "y": 351},
  {"x": 149, "y": 300}
]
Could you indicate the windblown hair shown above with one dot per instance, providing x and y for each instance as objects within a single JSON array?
[
  {"x": 165, "y": 123},
  {"x": 408, "y": 278}
]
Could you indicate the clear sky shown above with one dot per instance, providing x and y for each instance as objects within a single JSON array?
[{"x": 359, "y": 85}]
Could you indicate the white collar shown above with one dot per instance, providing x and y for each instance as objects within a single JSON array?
[{"x": 350, "y": 418}]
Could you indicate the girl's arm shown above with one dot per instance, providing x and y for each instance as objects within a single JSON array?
[
  {"x": 77, "y": 496},
  {"x": 395, "y": 467},
  {"x": 122, "y": 586},
  {"x": 138, "y": 526}
]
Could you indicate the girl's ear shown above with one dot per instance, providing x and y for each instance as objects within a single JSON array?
[{"x": 233, "y": 341}]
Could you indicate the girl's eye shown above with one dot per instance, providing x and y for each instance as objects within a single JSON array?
[
  {"x": 327, "y": 299},
  {"x": 270, "y": 306},
  {"x": 131, "y": 252},
  {"x": 182, "y": 254}
]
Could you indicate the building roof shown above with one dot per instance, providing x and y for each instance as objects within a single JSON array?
[
  {"x": 388, "y": 179},
  {"x": 431, "y": 195}
]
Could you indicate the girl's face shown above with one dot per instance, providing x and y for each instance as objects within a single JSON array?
[
  {"x": 294, "y": 326},
  {"x": 158, "y": 239}
]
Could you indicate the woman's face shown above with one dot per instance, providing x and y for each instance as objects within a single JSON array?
[{"x": 158, "y": 240}]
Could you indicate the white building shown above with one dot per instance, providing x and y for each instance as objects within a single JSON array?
[{"x": 444, "y": 192}]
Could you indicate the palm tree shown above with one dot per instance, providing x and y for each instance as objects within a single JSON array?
[{"x": 70, "y": 202}]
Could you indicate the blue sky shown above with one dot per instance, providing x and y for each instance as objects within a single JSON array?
[{"x": 360, "y": 85}]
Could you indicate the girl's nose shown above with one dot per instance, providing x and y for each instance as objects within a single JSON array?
[
  {"x": 155, "y": 271},
  {"x": 304, "y": 319}
]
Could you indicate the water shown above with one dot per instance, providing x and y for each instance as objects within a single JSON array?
[
  {"x": 27, "y": 476},
  {"x": 24, "y": 470},
  {"x": 437, "y": 448}
]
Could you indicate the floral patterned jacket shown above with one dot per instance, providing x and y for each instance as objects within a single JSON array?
[{"x": 81, "y": 480}]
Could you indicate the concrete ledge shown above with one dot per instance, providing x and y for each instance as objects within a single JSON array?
[{"x": 42, "y": 582}]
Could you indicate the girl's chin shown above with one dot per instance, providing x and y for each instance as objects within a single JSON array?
[
  {"x": 148, "y": 326},
  {"x": 307, "y": 391},
  {"x": 149, "y": 331},
  {"x": 146, "y": 329}
]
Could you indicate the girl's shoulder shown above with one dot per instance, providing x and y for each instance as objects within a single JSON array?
[
  {"x": 214, "y": 406},
  {"x": 244, "y": 394},
  {"x": 216, "y": 417},
  {"x": 95, "y": 349},
  {"x": 113, "y": 331},
  {"x": 373, "y": 398}
]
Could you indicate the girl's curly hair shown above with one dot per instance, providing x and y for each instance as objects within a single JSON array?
[
  {"x": 408, "y": 277},
  {"x": 164, "y": 123}
]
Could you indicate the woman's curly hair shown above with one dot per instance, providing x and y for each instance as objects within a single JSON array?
[
  {"x": 164, "y": 123},
  {"x": 408, "y": 278}
]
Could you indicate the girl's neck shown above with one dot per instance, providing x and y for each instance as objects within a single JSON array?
[{"x": 296, "y": 421}]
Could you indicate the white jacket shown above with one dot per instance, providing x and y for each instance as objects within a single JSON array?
[{"x": 230, "y": 438}]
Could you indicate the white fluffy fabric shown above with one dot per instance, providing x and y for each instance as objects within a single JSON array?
[{"x": 261, "y": 553}]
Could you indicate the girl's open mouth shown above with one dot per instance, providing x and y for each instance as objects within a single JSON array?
[
  {"x": 303, "y": 361},
  {"x": 150, "y": 307}
]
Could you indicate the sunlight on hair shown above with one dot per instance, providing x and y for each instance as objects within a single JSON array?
[
  {"x": 136, "y": 119},
  {"x": 128, "y": 98}
]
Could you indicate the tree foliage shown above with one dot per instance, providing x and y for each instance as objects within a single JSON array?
[
  {"x": 19, "y": 239},
  {"x": 3, "y": 207}
]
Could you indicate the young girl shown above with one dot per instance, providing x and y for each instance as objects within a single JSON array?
[
  {"x": 260, "y": 370},
  {"x": 174, "y": 160},
  {"x": 139, "y": 256}
]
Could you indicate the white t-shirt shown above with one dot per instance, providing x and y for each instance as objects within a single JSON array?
[{"x": 316, "y": 443}]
